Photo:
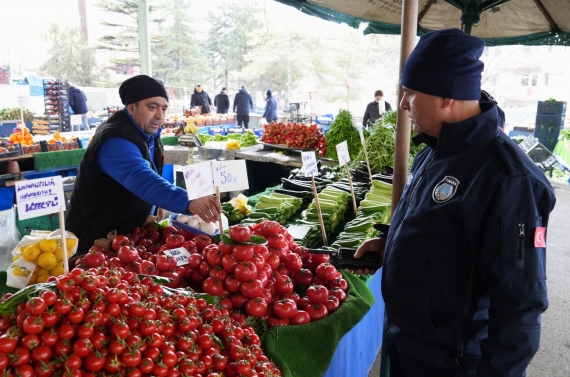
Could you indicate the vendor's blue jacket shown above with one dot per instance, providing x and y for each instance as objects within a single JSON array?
[{"x": 464, "y": 280}]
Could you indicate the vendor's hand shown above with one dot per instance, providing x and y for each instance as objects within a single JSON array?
[
  {"x": 160, "y": 214},
  {"x": 375, "y": 245},
  {"x": 150, "y": 219},
  {"x": 207, "y": 208}
]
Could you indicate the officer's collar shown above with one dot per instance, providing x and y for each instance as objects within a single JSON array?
[
  {"x": 467, "y": 132},
  {"x": 145, "y": 136}
]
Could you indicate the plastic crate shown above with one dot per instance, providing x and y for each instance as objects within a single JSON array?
[
  {"x": 324, "y": 120},
  {"x": 546, "y": 131},
  {"x": 556, "y": 120},
  {"x": 13, "y": 151},
  {"x": 548, "y": 142},
  {"x": 551, "y": 107}
]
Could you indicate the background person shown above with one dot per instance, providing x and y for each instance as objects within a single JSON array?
[
  {"x": 375, "y": 109},
  {"x": 270, "y": 113},
  {"x": 78, "y": 103},
  {"x": 201, "y": 99},
  {"x": 222, "y": 102},
  {"x": 464, "y": 278},
  {"x": 119, "y": 180},
  {"x": 242, "y": 106}
]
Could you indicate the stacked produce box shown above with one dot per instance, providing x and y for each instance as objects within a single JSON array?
[{"x": 56, "y": 104}]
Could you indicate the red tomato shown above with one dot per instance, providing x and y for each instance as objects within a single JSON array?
[
  {"x": 283, "y": 285},
  {"x": 273, "y": 260},
  {"x": 33, "y": 325},
  {"x": 303, "y": 277},
  {"x": 285, "y": 308},
  {"x": 245, "y": 271},
  {"x": 293, "y": 262},
  {"x": 219, "y": 273},
  {"x": 269, "y": 228},
  {"x": 238, "y": 301},
  {"x": 127, "y": 254},
  {"x": 20, "y": 356},
  {"x": 251, "y": 288},
  {"x": 212, "y": 286},
  {"x": 233, "y": 284},
  {"x": 338, "y": 293},
  {"x": 320, "y": 258},
  {"x": 172, "y": 275},
  {"x": 326, "y": 271},
  {"x": 36, "y": 305},
  {"x": 303, "y": 303},
  {"x": 240, "y": 233},
  {"x": 316, "y": 311},
  {"x": 256, "y": 307},
  {"x": 317, "y": 294},
  {"x": 332, "y": 304},
  {"x": 174, "y": 241},
  {"x": 338, "y": 282},
  {"x": 165, "y": 263},
  {"x": 202, "y": 241},
  {"x": 95, "y": 257},
  {"x": 119, "y": 242},
  {"x": 277, "y": 241},
  {"x": 300, "y": 318},
  {"x": 261, "y": 250},
  {"x": 243, "y": 252}
]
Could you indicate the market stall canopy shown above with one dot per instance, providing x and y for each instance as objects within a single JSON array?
[{"x": 499, "y": 22}]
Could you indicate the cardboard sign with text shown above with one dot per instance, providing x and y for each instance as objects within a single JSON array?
[
  {"x": 230, "y": 175},
  {"x": 39, "y": 197},
  {"x": 342, "y": 152},
  {"x": 309, "y": 163},
  {"x": 181, "y": 255},
  {"x": 199, "y": 180}
]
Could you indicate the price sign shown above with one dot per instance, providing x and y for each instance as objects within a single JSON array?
[
  {"x": 199, "y": 180},
  {"x": 180, "y": 254},
  {"x": 309, "y": 163},
  {"x": 361, "y": 132},
  {"x": 22, "y": 100},
  {"x": 230, "y": 175},
  {"x": 342, "y": 152},
  {"x": 39, "y": 197}
]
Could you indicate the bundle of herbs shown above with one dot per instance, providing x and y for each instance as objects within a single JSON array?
[{"x": 342, "y": 129}]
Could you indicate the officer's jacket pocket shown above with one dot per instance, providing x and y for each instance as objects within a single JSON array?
[{"x": 520, "y": 259}]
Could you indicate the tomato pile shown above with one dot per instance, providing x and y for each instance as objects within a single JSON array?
[
  {"x": 108, "y": 322},
  {"x": 281, "y": 283},
  {"x": 293, "y": 135},
  {"x": 142, "y": 253}
]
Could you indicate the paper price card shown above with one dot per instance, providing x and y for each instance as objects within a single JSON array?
[
  {"x": 39, "y": 197},
  {"x": 181, "y": 255},
  {"x": 361, "y": 132},
  {"x": 230, "y": 175},
  {"x": 342, "y": 152},
  {"x": 199, "y": 180},
  {"x": 309, "y": 163}
]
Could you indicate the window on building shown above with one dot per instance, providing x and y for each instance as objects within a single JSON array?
[
  {"x": 524, "y": 80},
  {"x": 546, "y": 79},
  {"x": 534, "y": 80}
]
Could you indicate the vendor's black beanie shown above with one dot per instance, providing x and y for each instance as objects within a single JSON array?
[
  {"x": 141, "y": 87},
  {"x": 268, "y": 92},
  {"x": 446, "y": 63}
]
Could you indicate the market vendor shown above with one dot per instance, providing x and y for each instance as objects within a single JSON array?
[
  {"x": 375, "y": 109},
  {"x": 119, "y": 182},
  {"x": 464, "y": 278}
]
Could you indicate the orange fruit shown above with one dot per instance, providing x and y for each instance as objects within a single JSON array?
[
  {"x": 13, "y": 137},
  {"x": 51, "y": 141}
]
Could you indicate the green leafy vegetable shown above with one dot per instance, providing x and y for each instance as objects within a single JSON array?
[{"x": 342, "y": 129}]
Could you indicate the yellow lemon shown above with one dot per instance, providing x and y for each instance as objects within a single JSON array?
[
  {"x": 33, "y": 279},
  {"x": 59, "y": 254},
  {"x": 57, "y": 270},
  {"x": 26, "y": 273},
  {"x": 31, "y": 253},
  {"x": 17, "y": 271},
  {"x": 70, "y": 242},
  {"x": 48, "y": 246},
  {"x": 42, "y": 278},
  {"x": 47, "y": 260}
]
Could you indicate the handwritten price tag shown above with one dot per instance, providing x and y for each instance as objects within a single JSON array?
[
  {"x": 230, "y": 175},
  {"x": 39, "y": 197},
  {"x": 342, "y": 152},
  {"x": 309, "y": 163},
  {"x": 361, "y": 132},
  {"x": 199, "y": 180},
  {"x": 180, "y": 254}
]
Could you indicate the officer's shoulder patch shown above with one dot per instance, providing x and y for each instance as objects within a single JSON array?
[{"x": 445, "y": 189}]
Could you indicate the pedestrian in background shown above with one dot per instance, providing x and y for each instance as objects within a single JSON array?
[
  {"x": 78, "y": 104},
  {"x": 270, "y": 113},
  {"x": 375, "y": 109},
  {"x": 222, "y": 102},
  {"x": 201, "y": 99},
  {"x": 242, "y": 106}
]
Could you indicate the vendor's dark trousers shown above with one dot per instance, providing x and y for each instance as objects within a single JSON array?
[
  {"x": 243, "y": 119},
  {"x": 403, "y": 364}
]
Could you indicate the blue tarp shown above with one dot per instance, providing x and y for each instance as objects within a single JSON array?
[{"x": 36, "y": 85}]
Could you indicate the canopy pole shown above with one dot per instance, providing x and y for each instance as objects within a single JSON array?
[
  {"x": 144, "y": 37},
  {"x": 402, "y": 150}
]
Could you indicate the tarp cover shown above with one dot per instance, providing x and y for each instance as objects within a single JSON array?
[{"x": 512, "y": 22}]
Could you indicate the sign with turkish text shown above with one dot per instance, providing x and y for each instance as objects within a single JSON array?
[
  {"x": 199, "y": 180},
  {"x": 181, "y": 255},
  {"x": 342, "y": 152},
  {"x": 39, "y": 197},
  {"x": 309, "y": 163},
  {"x": 230, "y": 175}
]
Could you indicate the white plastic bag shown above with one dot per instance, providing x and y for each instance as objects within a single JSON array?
[{"x": 9, "y": 236}]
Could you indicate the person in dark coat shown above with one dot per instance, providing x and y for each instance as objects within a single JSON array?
[
  {"x": 119, "y": 183},
  {"x": 242, "y": 106},
  {"x": 78, "y": 103},
  {"x": 222, "y": 102},
  {"x": 201, "y": 98},
  {"x": 375, "y": 109},
  {"x": 464, "y": 276},
  {"x": 270, "y": 113}
]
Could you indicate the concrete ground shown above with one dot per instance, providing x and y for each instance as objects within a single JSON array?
[{"x": 553, "y": 356}]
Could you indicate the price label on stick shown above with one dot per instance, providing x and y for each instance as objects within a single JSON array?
[
  {"x": 309, "y": 163},
  {"x": 199, "y": 180},
  {"x": 342, "y": 152},
  {"x": 230, "y": 175},
  {"x": 39, "y": 197},
  {"x": 180, "y": 254}
]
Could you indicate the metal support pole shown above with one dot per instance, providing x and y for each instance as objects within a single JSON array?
[
  {"x": 144, "y": 38},
  {"x": 402, "y": 152}
]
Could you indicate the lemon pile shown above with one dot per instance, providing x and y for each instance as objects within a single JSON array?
[{"x": 48, "y": 257}]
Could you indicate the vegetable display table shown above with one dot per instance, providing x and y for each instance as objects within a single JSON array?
[{"x": 562, "y": 150}]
